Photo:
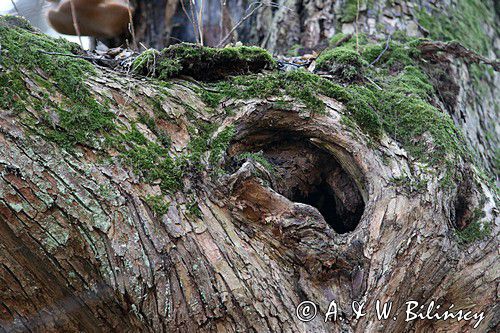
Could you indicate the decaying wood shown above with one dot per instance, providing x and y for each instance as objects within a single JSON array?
[
  {"x": 432, "y": 48},
  {"x": 82, "y": 251}
]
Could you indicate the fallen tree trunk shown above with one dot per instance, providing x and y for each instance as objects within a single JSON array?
[{"x": 133, "y": 204}]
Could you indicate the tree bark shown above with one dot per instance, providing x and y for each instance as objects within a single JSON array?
[
  {"x": 84, "y": 248},
  {"x": 282, "y": 25}
]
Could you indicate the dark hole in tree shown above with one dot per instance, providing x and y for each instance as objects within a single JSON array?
[
  {"x": 307, "y": 174},
  {"x": 334, "y": 212},
  {"x": 462, "y": 212}
]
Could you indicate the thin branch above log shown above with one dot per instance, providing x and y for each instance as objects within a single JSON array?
[{"x": 430, "y": 48}]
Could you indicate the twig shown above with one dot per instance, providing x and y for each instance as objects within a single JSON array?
[
  {"x": 383, "y": 51},
  {"x": 229, "y": 34},
  {"x": 200, "y": 22},
  {"x": 192, "y": 9},
  {"x": 221, "y": 23},
  {"x": 189, "y": 18},
  {"x": 259, "y": 5},
  {"x": 131, "y": 25},
  {"x": 15, "y": 7},
  {"x": 373, "y": 82},
  {"x": 143, "y": 46},
  {"x": 343, "y": 40},
  {"x": 356, "y": 26},
  {"x": 69, "y": 55},
  {"x": 75, "y": 23},
  {"x": 458, "y": 50}
]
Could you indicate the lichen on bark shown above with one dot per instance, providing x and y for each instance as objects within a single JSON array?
[{"x": 198, "y": 207}]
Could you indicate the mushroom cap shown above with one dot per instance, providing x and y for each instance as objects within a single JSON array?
[{"x": 97, "y": 18}]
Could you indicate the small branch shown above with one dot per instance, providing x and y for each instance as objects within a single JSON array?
[
  {"x": 222, "y": 4},
  {"x": 343, "y": 40},
  {"x": 373, "y": 82},
  {"x": 75, "y": 23},
  {"x": 229, "y": 34},
  {"x": 189, "y": 18},
  {"x": 69, "y": 55},
  {"x": 200, "y": 22},
  {"x": 383, "y": 51},
  {"x": 131, "y": 25},
  {"x": 356, "y": 26},
  {"x": 15, "y": 7},
  {"x": 458, "y": 50},
  {"x": 258, "y": 6}
]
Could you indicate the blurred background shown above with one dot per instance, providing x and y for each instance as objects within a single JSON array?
[{"x": 34, "y": 11}]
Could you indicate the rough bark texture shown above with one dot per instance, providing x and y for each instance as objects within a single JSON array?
[
  {"x": 288, "y": 24},
  {"x": 84, "y": 247}
]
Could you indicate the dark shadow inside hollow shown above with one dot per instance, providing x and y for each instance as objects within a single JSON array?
[
  {"x": 331, "y": 208},
  {"x": 308, "y": 174},
  {"x": 463, "y": 212}
]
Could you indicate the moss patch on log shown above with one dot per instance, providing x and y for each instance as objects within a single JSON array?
[
  {"x": 303, "y": 86},
  {"x": 343, "y": 62},
  {"x": 396, "y": 96},
  {"x": 475, "y": 230},
  {"x": 158, "y": 204},
  {"x": 393, "y": 96},
  {"x": 202, "y": 63},
  {"x": 78, "y": 116},
  {"x": 61, "y": 108}
]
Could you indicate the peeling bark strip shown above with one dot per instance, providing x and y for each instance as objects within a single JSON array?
[{"x": 147, "y": 216}]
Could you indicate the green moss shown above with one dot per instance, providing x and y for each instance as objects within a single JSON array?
[
  {"x": 193, "y": 209},
  {"x": 80, "y": 124},
  {"x": 336, "y": 39},
  {"x": 220, "y": 143},
  {"x": 257, "y": 157},
  {"x": 397, "y": 53},
  {"x": 301, "y": 85},
  {"x": 342, "y": 55},
  {"x": 362, "y": 106},
  {"x": 464, "y": 24},
  {"x": 211, "y": 98},
  {"x": 475, "y": 231},
  {"x": 203, "y": 63},
  {"x": 407, "y": 116},
  {"x": 134, "y": 136},
  {"x": 145, "y": 63},
  {"x": 343, "y": 62},
  {"x": 157, "y": 204},
  {"x": 350, "y": 10},
  {"x": 400, "y": 105},
  {"x": 154, "y": 163},
  {"x": 169, "y": 68},
  {"x": 396, "y": 99},
  {"x": 79, "y": 116}
]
